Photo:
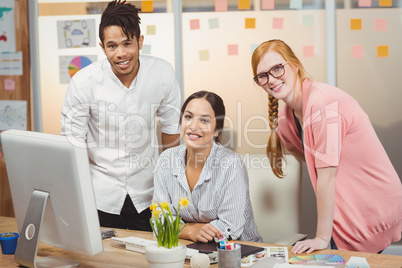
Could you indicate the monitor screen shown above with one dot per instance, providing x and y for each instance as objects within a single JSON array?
[{"x": 52, "y": 194}]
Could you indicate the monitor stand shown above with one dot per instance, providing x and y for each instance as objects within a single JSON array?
[{"x": 27, "y": 246}]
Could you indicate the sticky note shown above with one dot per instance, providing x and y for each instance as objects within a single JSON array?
[
  {"x": 364, "y": 3},
  {"x": 308, "y": 51},
  {"x": 382, "y": 51},
  {"x": 147, "y": 6},
  {"x": 385, "y": 3},
  {"x": 204, "y": 55},
  {"x": 9, "y": 84},
  {"x": 355, "y": 24},
  {"x": 268, "y": 4},
  {"x": 277, "y": 23},
  {"x": 146, "y": 49},
  {"x": 250, "y": 23},
  {"x": 213, "y": 23},
  {"x": 308, "y": 20},
  {"x": 380, "y": 24},
  {"x": 233, "y": 49},
  {"x": 195, "y": 24},
  {"x": 253, "y": 47},
  {"x": 296, "y": 4},
  {"x": 356, "y": 52},
  {"x": 221, "y": 5},
  {"x": 243, "y": 4},
  {"x": 151, "y": 29}
]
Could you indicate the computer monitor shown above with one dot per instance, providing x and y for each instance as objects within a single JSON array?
[{"x": 52, "y": 194}]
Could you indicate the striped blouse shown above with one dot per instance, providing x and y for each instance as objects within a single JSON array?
[{"x": 220, "y": 197}]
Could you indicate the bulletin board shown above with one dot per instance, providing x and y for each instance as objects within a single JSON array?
[{"x": 15, "y": 90}]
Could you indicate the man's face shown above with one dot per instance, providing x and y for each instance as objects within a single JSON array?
[{"x": 122, "y": 53}]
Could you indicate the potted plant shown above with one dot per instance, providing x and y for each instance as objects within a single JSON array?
[
  {"x": 8, "y": 242},
  {"x": 167, "y": 252}
]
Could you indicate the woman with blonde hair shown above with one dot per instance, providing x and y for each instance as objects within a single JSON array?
[{"x": 359, "y": 193}]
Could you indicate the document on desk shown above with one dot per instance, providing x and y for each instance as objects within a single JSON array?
[{"x": 269, "y": 256}]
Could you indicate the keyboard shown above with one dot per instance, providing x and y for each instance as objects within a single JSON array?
[{"x": 138, "y": 244}]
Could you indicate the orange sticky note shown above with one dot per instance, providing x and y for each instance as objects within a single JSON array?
[
  {"x": 382, "y": 51},
  {"x": 277, "y": 23},
  {"x": 380, "y": 24},
  {"x": 308, "y": 51},
  {"x": 385, "y": 3},
  {"x": 364, "y": 3},
  {"x": 195, "y": 24},
  {"x": 250, "y": 23},
  {"x": 356, "y": 52},
  {"x": 355, "y": 24},
  {"x": 233, "y": 49},
  {"x": 147, "y": 6},
  {"x": 221, "y": 5},
  {"x": 243, "y": 4},
  {"x": 268, "y": 4}
]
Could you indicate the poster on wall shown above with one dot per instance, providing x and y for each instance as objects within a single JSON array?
[
  {"x": 7, "y": 26},
  {"x": 76, "y": 33},
  {"x": 11, "y": 63},
  {"x": 13, "y": 115},
  {"x": 70, "y": 65}
]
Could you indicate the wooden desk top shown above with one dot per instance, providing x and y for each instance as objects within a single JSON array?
[{"x": 115, "y": 257}]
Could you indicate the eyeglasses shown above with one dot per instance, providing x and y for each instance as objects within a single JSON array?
[{"x": 277, "y": 71}]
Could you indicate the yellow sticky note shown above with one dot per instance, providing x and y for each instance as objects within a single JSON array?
[
  {"x": 382, "y": 51},
  {"x": 243, "y": 4},
  {"x": 204, "y": 55},
  {"x": 147, "y": 6},
  {"x": 250, "y": 23},
  {"x": 355, "y": 24},
  {"x": 385, "y": 3},
  {"x": 151, "y": 29}
]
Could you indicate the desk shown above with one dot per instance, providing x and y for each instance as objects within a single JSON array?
[{"x": 115, "y": 257}]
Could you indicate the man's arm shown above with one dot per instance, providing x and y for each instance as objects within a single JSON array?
[{"x": 170, "y": 140}]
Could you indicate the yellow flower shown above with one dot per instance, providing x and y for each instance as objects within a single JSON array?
[
  {"x": 164, "y": 205},
  {"x": 156, "y": 213},
  {"x": 184, "y": 202},
  {"x": 153, "y": 206}
]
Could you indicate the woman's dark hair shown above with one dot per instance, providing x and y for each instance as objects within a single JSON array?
[
  {"x": 122, "y": 14},
  {"x": 216, "y": 104}
]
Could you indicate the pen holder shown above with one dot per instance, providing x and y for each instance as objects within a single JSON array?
[
  {"x": 229, "y": 258},
  {"x": 8, "y": 242}
]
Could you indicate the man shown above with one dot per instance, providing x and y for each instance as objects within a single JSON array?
[{"x": 111, "y": 108}]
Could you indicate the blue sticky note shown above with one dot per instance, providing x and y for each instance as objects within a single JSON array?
[
  {"x": 213, "y": 23},
  {"x": 296, "y": 4},
  {"x": 308, "y": 20},
  {"x": 253, "y": 47},
  {"x": 146, "y": 49}
]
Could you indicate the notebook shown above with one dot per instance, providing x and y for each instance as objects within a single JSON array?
[{"x": 212, "y": 246}]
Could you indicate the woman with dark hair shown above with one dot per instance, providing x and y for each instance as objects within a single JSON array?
[
  {"x": 213, "y": 178},
  {"x": 359, "y": 194}
]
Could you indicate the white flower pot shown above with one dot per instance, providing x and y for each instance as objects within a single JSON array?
[{"x": 159, "y": 257}]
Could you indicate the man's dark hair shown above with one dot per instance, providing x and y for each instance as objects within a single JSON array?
[{"x": 122, "y": 14}]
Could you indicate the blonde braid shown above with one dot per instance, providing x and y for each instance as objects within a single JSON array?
[{"x": 274, "y": 146}]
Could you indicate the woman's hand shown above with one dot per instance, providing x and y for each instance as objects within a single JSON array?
[
  {"x": 309, "y": 245},
  {"x": 202, "y": 232}
]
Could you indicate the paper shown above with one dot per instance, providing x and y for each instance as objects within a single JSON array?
[
  {"x": 296, "y": 4},
  {"x": 308, "y": 51},
  {"x": 146, "y": 49},
  {"x": 7, "y": 26},
  {"x": 233, "y": 50},
  {"x": 147, "y": 6},
  {"x": 151, "y": 29},
  {"x": 11, "y": 63},
  {"x": 194, "y": 24},
  {"x": 380, "y": 24},
  {"x": 277, "y": 23},
  {"x": 382, "y": 51},
  {"x": 280, "y": 253},
  {"x": 355, "y": 262},
  {"x": 244, "y": 4},
  {"x": 268, "y": 4},
  {"x": 364, "y": 3},
  {"x": 221, "y": 5},
  {"x": 355, "y": 24},
  {"x": 76, "y": 33},
  {"x": 213, "y": 23},
  {"x": 308, "y": 20},
  {"x": 357, "y": 52},
  {"x": 13, "y": 115},
  {"x": 204, "y": 55},
  {"x": 385, "y": 3},
  {"x": 250, "y": 23},
  {"x": 70, "y": 65},
  {"x": 9, "y": 84}
]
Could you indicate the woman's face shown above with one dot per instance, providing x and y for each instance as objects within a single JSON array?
[
  {"x": 282, "y": 87},
  {"x": 198, "y": 124}
]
